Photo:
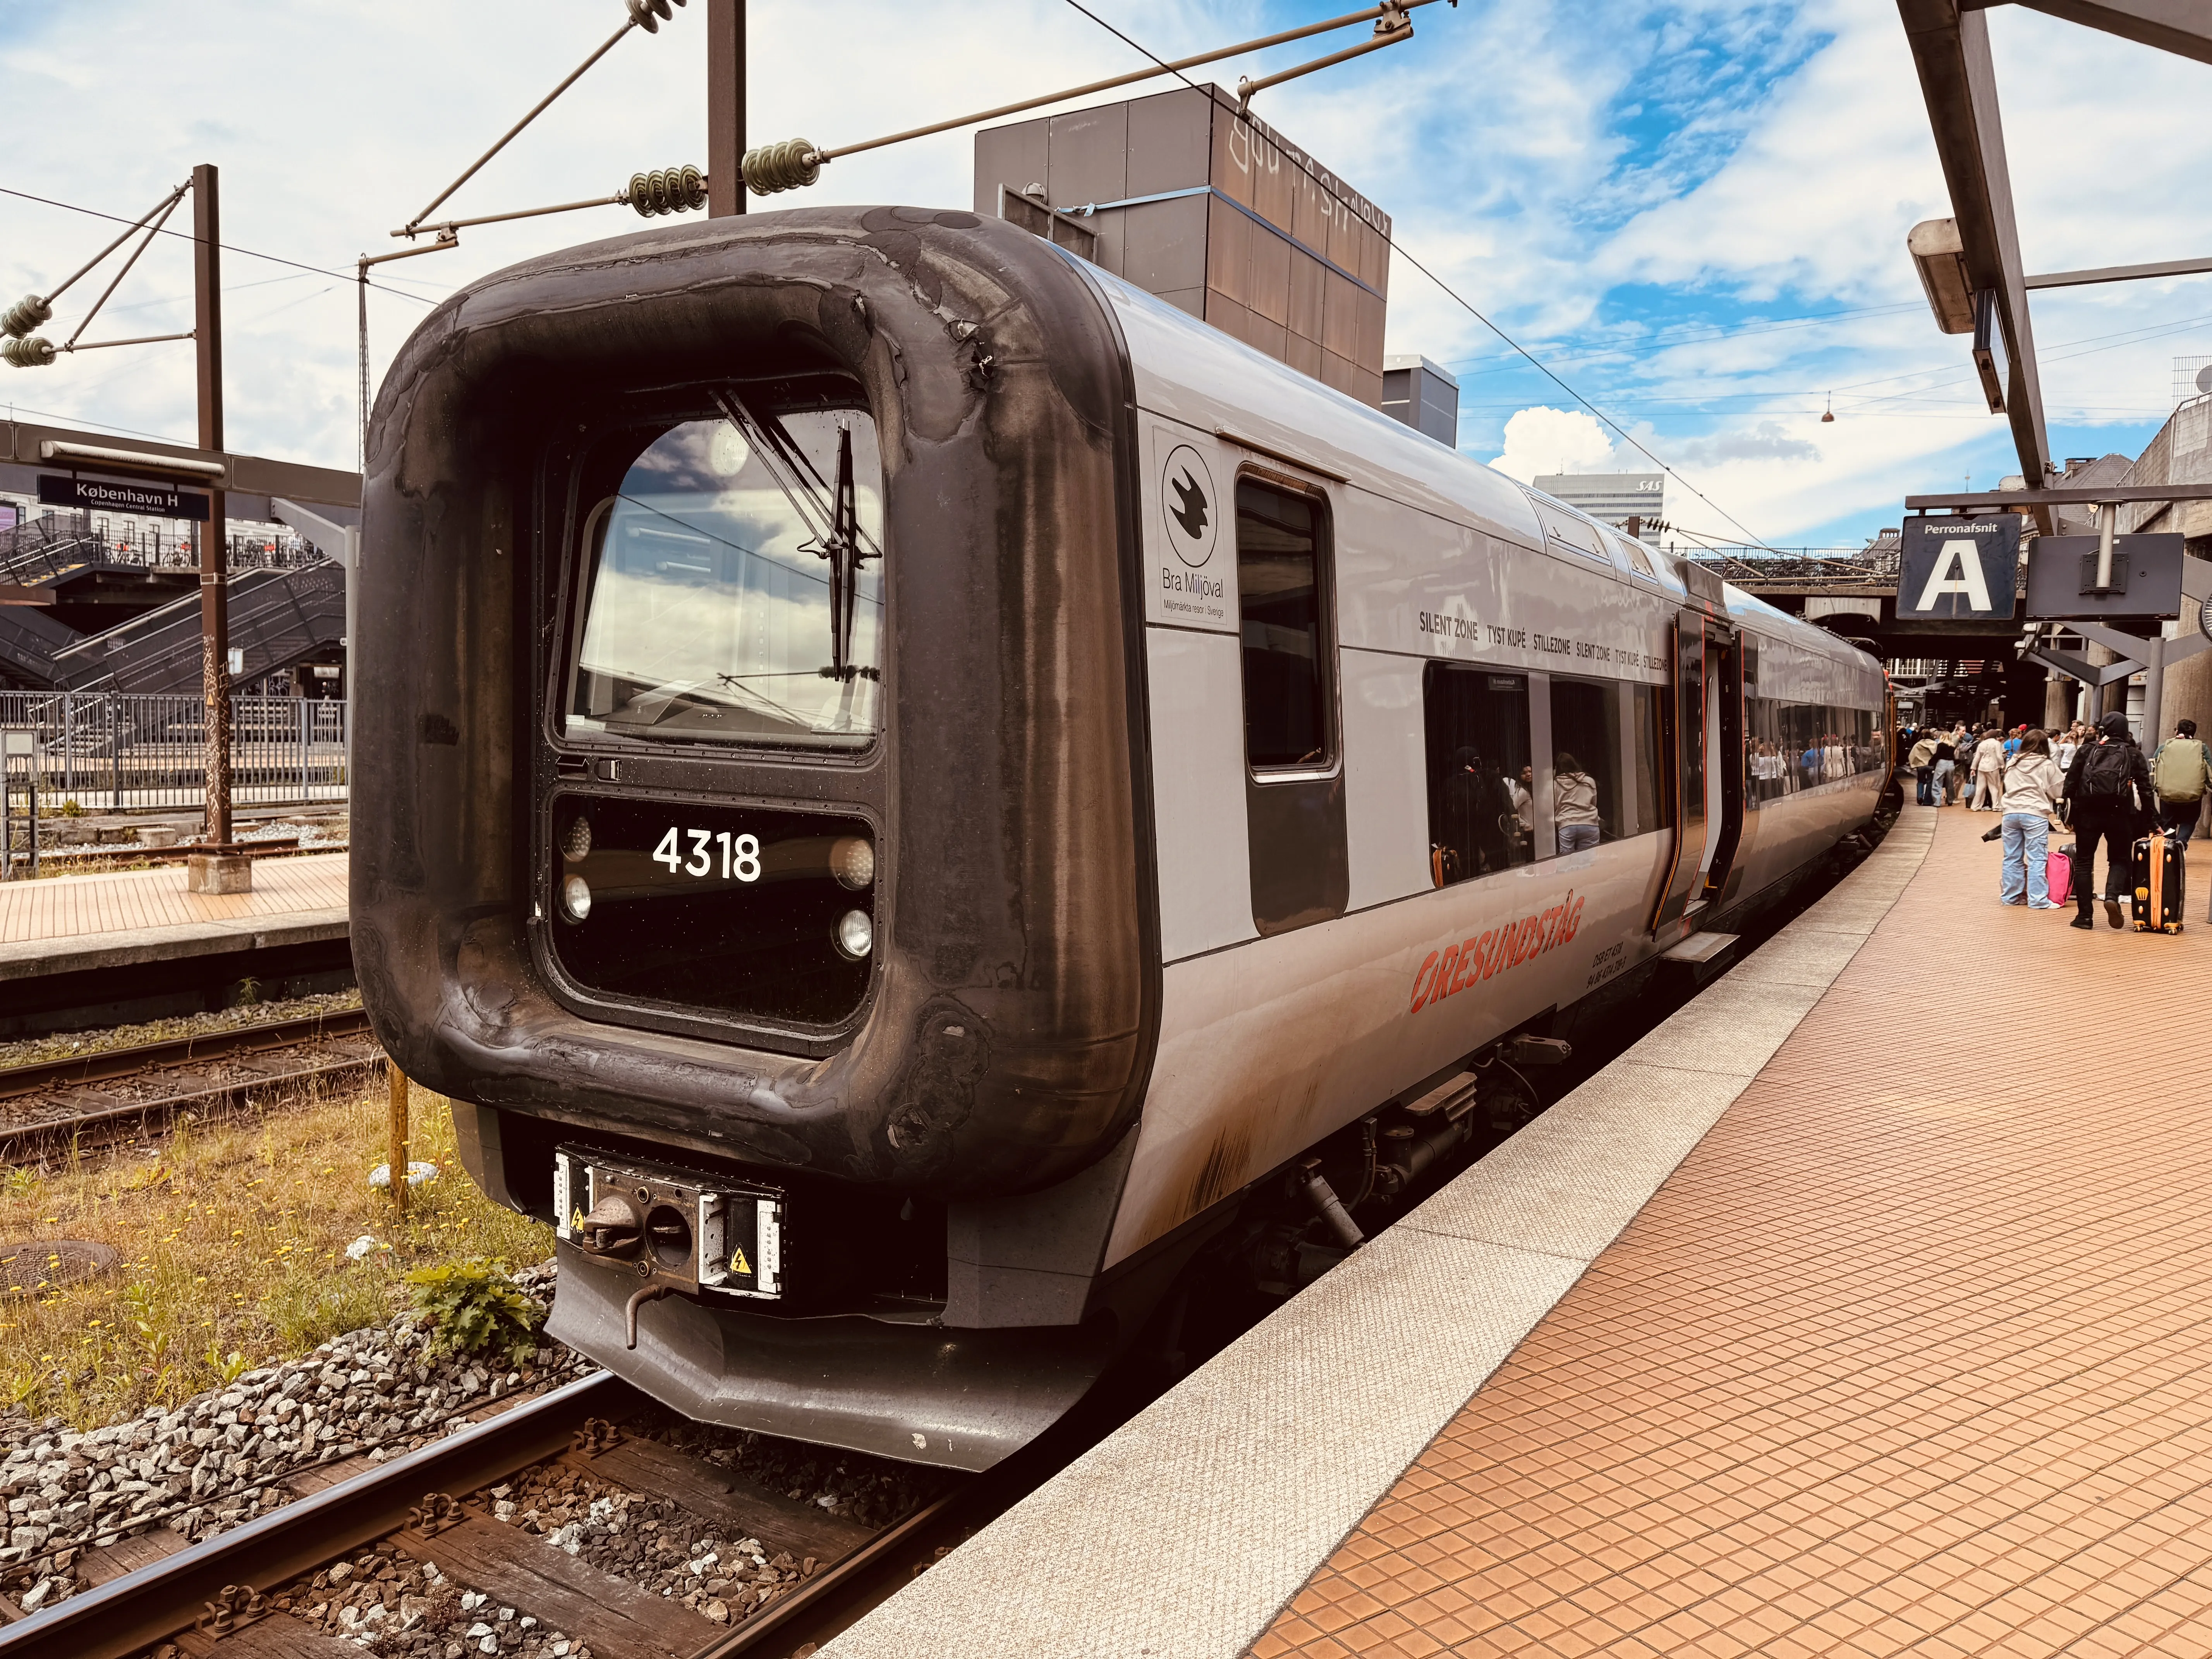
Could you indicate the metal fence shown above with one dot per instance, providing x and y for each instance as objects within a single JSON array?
[{"x": 113, "y": 751}]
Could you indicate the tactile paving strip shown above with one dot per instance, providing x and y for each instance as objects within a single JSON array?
[{"x": 1912, "y": 1354}]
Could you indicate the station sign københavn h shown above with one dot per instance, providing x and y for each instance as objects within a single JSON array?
[
  {"x": 157, "y": 501},
  {"x": 1957, "y": 569}
]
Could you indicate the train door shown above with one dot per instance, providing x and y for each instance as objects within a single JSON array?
[{"x": 1704, "y": 739}]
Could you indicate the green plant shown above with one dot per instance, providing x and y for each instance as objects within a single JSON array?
[
  {"x": 472, "y": 1306},
  {"x": 70, "y": 809},
  {"x": 228, "y": 1370}
]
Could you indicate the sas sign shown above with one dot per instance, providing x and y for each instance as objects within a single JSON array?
[{"x": 1958, "y": 567}]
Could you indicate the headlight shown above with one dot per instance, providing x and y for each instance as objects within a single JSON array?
[
  {"x": 853, "y": 861},
  {"x": 576, "y": 840},
  {"x": 856, "y": 934},
  {"x": 576, "y": 899}
]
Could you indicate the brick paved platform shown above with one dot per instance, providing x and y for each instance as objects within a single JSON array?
[
  {"x": 71, "y": 923},
  {"x": 1912, "y": 1353},
  {"x": 1863, "y": 1308}
]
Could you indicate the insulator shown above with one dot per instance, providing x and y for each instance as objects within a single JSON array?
[
  {"x": 672, "y": 190},
  {"x": 32, "y": 353},
  {"x": 648, "y": 15},
  {"x": 785, "y": 166},
  {"x": 26, "y": 314}
]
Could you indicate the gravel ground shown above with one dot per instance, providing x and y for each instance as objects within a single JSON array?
[
  {"x": 217, "y": 1462},
  {"x": 218, "y": 1459}
]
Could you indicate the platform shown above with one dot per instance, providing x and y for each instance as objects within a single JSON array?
[
  {"x": 73, "y": 923},
  {"x": 1858, "y": 1309}
]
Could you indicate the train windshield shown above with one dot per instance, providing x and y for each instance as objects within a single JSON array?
[{"x": 733, "y": 591}]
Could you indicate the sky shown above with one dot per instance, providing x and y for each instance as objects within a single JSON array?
[{"x": 1693, "y": 212}]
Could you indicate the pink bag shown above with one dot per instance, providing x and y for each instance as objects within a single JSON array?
[{"x": 2058, "y": 872}]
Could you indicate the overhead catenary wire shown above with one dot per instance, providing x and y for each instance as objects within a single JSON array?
[
  {"x": 33, "y": 309},
  {"x": 152, "y": 231},
  {"x": 1460, "y": 299},
  {"x": 228, "y": 247},
  {"x": 1397, "y": 10},
  {"x": 643, "y": 14}
]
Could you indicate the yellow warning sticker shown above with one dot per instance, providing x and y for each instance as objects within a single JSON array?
[
  {"x": 576, "y": 1222},
  {"x": 739, "y": 1264}
]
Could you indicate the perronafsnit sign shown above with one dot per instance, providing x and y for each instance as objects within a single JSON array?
[
  {"x": 157, "y": 501},
  {"x": 1958, "y": 568}
]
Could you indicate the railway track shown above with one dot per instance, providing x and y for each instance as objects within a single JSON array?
[
  {"x": 240, "y": 1594},
  {"x": 114, "y": 1089}
]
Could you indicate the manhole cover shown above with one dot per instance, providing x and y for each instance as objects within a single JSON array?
[{"x": 50, "y": 1263}]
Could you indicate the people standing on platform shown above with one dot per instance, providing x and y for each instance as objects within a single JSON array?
[
  {"x": 1574, "y": 804},
  {"x": 2062, "y": 751},
  {"x": 1962, "y": 757},
  {"x": 1989, "y": 771},
  {"x": 1921, "y": 760},
  {"x": 2108, "y": 797},
  {"x": 2179, "y": 772},
  {"x": 1945, "y": 767},
  {"x": 2033, "y": 785}
]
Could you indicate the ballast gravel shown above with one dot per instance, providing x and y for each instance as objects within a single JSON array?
[{"x": 220, "y": 1459}]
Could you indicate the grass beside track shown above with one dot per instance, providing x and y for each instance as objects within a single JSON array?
[{"x": 233, "y": 1236}]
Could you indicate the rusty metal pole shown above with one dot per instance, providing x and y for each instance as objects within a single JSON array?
[
  {"x": 726, "y": 107},
  {"x": 397, "y": 1154},
  {"x": 220, "y": 872}
]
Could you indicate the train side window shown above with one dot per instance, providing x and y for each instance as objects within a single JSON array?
[
  {"x": 1481, "y": 815},
  {"x": 1644, "y": 705},
  {"x": 1586, "y": 793},
  {"x": 1281, "y": 597}
]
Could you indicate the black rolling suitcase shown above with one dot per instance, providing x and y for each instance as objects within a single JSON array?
[{"x": 2154, "y": 873}]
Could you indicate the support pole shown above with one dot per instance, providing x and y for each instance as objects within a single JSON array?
[
  {"x": 726, "y": 107},
  {"x": 2154, "y": 689},
  {"x": 398, "y": 1151},
  {"x": 220, "y": 868}
]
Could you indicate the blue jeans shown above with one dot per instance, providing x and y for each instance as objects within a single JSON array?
[
  {"x": 1577, "y": 837},
  {"x": 1925, "y": 775},
  {"x": 2026, "y": 836}
]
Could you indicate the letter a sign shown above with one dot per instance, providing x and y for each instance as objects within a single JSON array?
[{"x": 1959, "y": 569}]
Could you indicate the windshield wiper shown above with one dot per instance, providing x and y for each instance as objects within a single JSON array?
[{"x": 831, "y": 516}]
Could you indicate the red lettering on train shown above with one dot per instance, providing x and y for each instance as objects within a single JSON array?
[
  {"x": 1451, "y": 968},
  {"x": 1419, "y": 995}
]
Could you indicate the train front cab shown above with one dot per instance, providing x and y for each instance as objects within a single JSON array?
[{"x": 747, "y": 813}]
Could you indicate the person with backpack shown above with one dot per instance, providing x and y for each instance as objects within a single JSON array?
[
  {"x": 2108, "y": 798},
  {"x": 2179, "y": 772}
]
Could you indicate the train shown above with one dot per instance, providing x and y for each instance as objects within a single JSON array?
[{"x": 908, "y": 791}]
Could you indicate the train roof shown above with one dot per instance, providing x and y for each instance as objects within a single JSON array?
[{"x": 1190, "y": 371}]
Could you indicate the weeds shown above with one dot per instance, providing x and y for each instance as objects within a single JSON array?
[
  {"x": 233, "y": 1236},
  {"x": 469, "y": 1306}
]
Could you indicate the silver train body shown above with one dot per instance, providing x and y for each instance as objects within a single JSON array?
[{"x": 1186, "y": 763}]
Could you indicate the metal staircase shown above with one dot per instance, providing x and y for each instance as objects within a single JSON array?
[{"x": 277, "y": 618}]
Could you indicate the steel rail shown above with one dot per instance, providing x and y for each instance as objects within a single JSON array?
[
  {"x": 127, "y": 1615},
  {"x": 105, "y": 1064}
]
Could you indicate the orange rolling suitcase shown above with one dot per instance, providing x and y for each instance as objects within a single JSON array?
[{"x": 2156, "y": 874}]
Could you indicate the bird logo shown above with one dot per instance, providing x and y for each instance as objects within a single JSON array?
[
  {"x": 1186, "y": 505},
  {"x": 1190, "y": 513}
]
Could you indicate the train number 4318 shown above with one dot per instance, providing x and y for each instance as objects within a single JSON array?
[{"x": 739, "y": 855}]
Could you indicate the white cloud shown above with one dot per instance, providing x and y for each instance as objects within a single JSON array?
[{"x": 1545, "y": 440}]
